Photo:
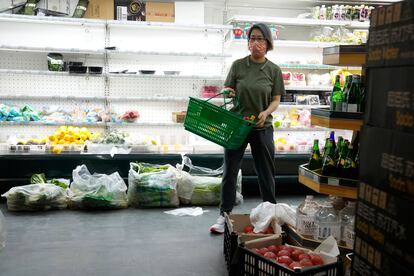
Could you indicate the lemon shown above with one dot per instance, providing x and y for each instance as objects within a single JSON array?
[{"x": 56, "y": 150}]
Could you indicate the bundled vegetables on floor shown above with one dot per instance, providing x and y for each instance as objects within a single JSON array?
[
  {"x": 201, "y": 186},
  {"x": 97, "y": 191},
  {"x": 152, "y": 185},
  {"x": 40, "y": 195},
  {"x": 36, "y": 197}
]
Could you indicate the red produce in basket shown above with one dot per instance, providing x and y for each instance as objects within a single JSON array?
[
  {"x": 270, "y": 255},
  {"x": 294, "y": 265},
  {"x": 248, "y": 229},
  {"x": 306, "y": 262},
  {"x": 316, "y": 259},
  {"x": 304, "y": 256},
  {"x": 284, "y": 260},
  {"x": 283, "y": 253},
  {"x": 273, "y": 248},
  {"x": 295, "y": 254}
]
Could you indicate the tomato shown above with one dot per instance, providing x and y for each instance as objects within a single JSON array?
[
  {"x": 273, "y": 248},
  {"x": 303, "y": 256},
  {"x": 248, "y": 229},
  {"x": 294, "y": 265},
  {"x": 263, "y": 250},
  {"x": 255, "y": 250},
  {"x": 295, "y": 254},
  {"x": 283, "y": 253},
  {"x": 270, "y": 255},
  {"x": 269, "y": 230},
  {"x": 306, "y": 262},
  {"x": 284, "y": 247},
  {"x": 316, "y": 259},
  {"x": 284, "y": 260}
]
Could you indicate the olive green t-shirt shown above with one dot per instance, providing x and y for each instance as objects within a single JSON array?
[{"x": 255, "y": 85}]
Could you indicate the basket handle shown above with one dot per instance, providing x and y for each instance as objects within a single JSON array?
[{"x": 233, "y": 100}]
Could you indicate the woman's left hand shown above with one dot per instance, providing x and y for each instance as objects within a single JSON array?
[{"x": 261, "y": 119}]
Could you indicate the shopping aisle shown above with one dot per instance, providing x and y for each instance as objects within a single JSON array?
[{"x": 124, "y": 242}]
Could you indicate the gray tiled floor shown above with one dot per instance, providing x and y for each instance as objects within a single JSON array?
[{"x": 125, "y": 242}]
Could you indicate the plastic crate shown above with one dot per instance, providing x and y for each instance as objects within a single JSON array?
[
  {"x": 230, "y": 246},
  {"x": 232, "y": 240},
  {"x": 253, "y": 264}
]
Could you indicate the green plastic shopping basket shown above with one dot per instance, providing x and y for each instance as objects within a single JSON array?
[{"x": 216, "y": 123}]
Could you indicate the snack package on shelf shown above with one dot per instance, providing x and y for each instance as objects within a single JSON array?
[
  {"x": 298, "y": 79},
  {"x": 36, "y": 197},
  {"x": 152, "y": 186},
  {"x": 97, "y": 191},
  {"x": 287, "y": 78},
  {"x": 25, "y": 113}
]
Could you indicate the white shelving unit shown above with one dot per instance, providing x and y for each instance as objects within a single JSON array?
[
  {"x": 198, "y": 52},
  {"x": 286, "y": 21}
]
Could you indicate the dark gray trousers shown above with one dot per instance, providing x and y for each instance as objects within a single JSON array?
[{"x": 263, "y": 151}]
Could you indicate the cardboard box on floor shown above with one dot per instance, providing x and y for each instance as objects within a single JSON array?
[
  {"x": 100, "y": 9},
  {"x": 237, "y": 223}
]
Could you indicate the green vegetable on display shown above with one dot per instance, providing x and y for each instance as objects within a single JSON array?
[{"x": 38, "y": 178}]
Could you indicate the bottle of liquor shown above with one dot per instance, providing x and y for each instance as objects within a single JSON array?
[
  {"x": 315, "y": 161},
  {"x": 341, "y": 159},
  {"x": 362, "y": 95},
  {"x": 354, "y": 95},
  {"x": 347, "y": 86},
  {"x": 332, "y": 138},
  {"x": 324, "y": 149},
  {"x": 339, "y": 146},
  {"x": 349, "y": 170},
  {"x": 328, "y": 167},
  {"x": 337, "y": 96}
]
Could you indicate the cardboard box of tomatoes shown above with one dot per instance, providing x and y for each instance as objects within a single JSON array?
[
  {"x": 238, "y": 229},
  {"x": 269, "y": 256}
]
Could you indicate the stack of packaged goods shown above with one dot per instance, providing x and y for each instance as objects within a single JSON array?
[{"x": 383, "y": 229}]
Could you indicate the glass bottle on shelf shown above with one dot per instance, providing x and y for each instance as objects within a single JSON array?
[
  {"x": 337, "y": 96},
  {"x": 315, "y": 161},
  {"x": 354, "y": 95},
  {"x": 349, "y": 170},
  {"x": 338, "y": 146},
  {"x": 347, "y": 86},
  {"x": 347, "y": 219},
  {"x": 328, "y": 167},
  {"x": 305, "y": 216},
  {"x": 341, "y": 159},
  {"x": 327, "y": 223},
  {"x": 332, "y": 138}
]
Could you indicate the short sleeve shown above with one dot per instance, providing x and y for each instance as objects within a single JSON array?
[
  {"x": 279, "y": 86},
  {"x": 231, "y": 77}
]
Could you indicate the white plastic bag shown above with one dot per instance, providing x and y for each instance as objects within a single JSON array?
[
  {"x": 196, "y": 211},
  {"x": 3, "y": 232},
  {"x": 97, "y": 191},
  {"x": 265, "y": 212},
  {"x": 201, "y": 186},
  {"x": 36, "y": 197},
  {"x": 152, "y": 189}
]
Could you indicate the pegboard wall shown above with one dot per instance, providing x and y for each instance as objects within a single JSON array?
[{"x": 197, "y": 53}]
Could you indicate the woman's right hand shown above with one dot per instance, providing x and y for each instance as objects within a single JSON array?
[{"x": 229, "y": 92}]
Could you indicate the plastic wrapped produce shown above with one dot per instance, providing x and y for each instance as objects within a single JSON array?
[
  {"x": 201, "y": 186},
  {"x": 152, "y": 186},
  {"x": 97, "y": 191},
  {"x": 36, "y": 197}
]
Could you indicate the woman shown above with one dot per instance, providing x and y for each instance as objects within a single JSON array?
[{"x": 257, "y": 85}]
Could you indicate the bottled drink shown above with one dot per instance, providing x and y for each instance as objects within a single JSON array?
[
  {"x": 328, "y": 167},
  {"x": 322, "y": 13},
  {"x": 324, "y": 149},
  {"x": 341, "y": 159},
  {"x": 362, "y": 95},
  {"x": 335, "y": 12},
  {"x": 349, "y": 170},
  {"x": 337, "y": 96},
  {"x": 354, "y": 95},
  {"x": 327, "y": 223},
  {"x": 347, "y": 86},
  {"x": 338, "y": 147},
  {"x": 347, "y": 218},
  {"x": 305, "y": 216},
  {"x": 315, "y": 161},
  {"x": 332, "y": 138}
]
